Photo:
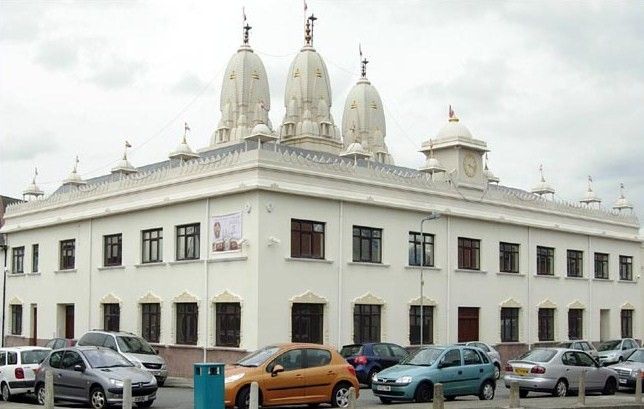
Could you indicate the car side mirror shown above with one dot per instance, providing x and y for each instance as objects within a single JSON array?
[
  {"x": 441, "y": 365},
  {"x": 156, "y": 352},
  {"x": 624, "y": 347},
  {"x": 79, "y": 368},
  {"x": 277, "y": 369}
]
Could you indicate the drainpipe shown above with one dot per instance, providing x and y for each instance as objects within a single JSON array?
[
  {"x": 449, "y": 277},
  {"x": 4, "y": 285},
  {"x": 340, "y": 267},
  {"x": 89, "y": 279},
  {"x": 205, "y": 279},
  {"x": 591, "y": 275},
  {"x": 529, "y": 309}
]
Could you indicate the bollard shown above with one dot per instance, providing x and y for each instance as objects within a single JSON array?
[
  {"x": 127, "y": 393},
  {"x": 49, "y": 390},
  {"x": 581, "y": 396},
  {"x": 439, "y": 399},
  {"x": 254, "y": 396},
  {"x": 352, "y": 398},
  {"x": 515, "y": 401},
  {"x": 638, "y": 387}
]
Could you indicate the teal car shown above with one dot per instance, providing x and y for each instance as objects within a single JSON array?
[{"x": 462, "y": 370}]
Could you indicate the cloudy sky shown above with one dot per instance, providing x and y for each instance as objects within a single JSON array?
[{"x": 557, "y": 83}]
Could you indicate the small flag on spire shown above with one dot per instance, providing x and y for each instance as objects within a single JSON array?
[
  {"x": 360, "y": 49},
  {"x": 244, "y": 13},
  {"x": 186, "y": 127},
  {"x": 77, "y": 160},
  {"x": 451, "y": 112},
  {"x": 127, "y": 144},
  {"x": 305, "y": 6},
  {"x": 36, "y": 170}
]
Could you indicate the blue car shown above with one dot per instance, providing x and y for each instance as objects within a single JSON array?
[
  {"x": 371, "y": 358},
  {"x": 462, "y": 370}
]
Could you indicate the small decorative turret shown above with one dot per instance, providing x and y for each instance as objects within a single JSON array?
[
  {"x": 124, "y": 167},
  {"x": 487, "y": 173},
  {"x": 432, "y": 165},
  {"x": 32, "y": 192},
  {"x": 355, "y": 150},
  {"x": 74, "y": 178},
  {"x": 183, "y": 150},
  {"x": 590, "y": 198},
  {"x": 622, "y": 204},
  {"x": 543, "y": 188}
]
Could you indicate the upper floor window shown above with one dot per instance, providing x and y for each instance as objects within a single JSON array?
[
  {"x": 575, "y": 263},
  {"x": 307, "y": 239},
  {"x": 35, "y": 254},
  {"x": 367, "y": 244},
  {"x": 421, "y": 249},
  {"x": 67, "y": 254},
  {"x": 545, "y": 261},
  {"x": 508, "y": 257},
  {"x": 601, "y": 265},
  {"x": 469, "y": 253},
  {"x": 112, "y": 250},
  {"x": 626, "y": 268},
  {"x": 152, "y": 246},
  {"x": 188, "y": 242},
  {"x": 18, "y": 260}
]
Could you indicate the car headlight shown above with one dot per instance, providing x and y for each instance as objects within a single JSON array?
[
  {"x": 404, "y": 379},
  {"x": 116, "y": 382},
  {"x": 374, "y": 378},
  {"x": 233, "y": 378}
]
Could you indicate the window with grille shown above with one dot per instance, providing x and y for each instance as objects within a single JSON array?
[
  {"x": 575, "y": 263},
  {"x": 366, "y": 323},
  {"x": 367, "y": 244},
  {"x": 151, "y": 321},
  {"x": 421, "y": 249},
  {"x": 18, "y": 260},
  {"x": 152, "y": 246},
  {"x": 626, "y": 268},
  {"x": 307, "y": 239},
  {"x": 469, "y": 253},
  {"x": 187, "y": 322},
  {"x": 601, "y": 265},
  {"x": 508, "y": 257},
  {"x": 67, "y": 254},
  {"x": 188, "y": 242},
  {"x": 307, "y": 322},
  {"x": 228, "y": 323},
  {"x": 509, "y": 325},
  {"x": 112, "y": 250},
  {"x": 546, "y": 324},
  {"x": 414, "y": 324}
]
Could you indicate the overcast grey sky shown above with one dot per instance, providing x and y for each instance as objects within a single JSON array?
[{"x": 558, "y": 83}]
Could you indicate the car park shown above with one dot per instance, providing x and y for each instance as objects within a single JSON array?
[
  {"x": 291, "y": 374},
  {"x": 58, "y": 343},
  {"x": 17, "y": 369},
  {"x": 492, "y": 353},
  {"x": 462, "y": 370},
  {"x": 133, "y": 347},
  {"x": 557, "y": 371},
  {"x": 630, "y": 369},
  {"x": 95, "y": 375},
  {"x": 616, "y": 350},
  {"x": 580, "y": 345},
  {"x": 372, "y": 357}
]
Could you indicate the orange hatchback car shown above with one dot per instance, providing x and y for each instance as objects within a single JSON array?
[{"x": 291, "y": 374}]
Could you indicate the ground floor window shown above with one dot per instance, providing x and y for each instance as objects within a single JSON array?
[
  {"x": 151, "y": 321},
  {"x": 546, "y": 324},
  {"x": 187, "y": 321},
  {"x": 111, "y": 317},
  {"x": 414, "y": 324},
  {"x": 69, "y": 321},
  {"x": 627, "y": 323},
  {"x": 575, "y": 323},
  {"x": 228, "y": 323},
  {"x": 509, "y": 325},
  {"x": 16, "y": 319},
  {"x": 366, "y": 323},
  {"x": 307, "y": 322}
]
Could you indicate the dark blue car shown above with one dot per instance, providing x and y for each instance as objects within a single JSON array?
[{"x": 371, "y": 358}]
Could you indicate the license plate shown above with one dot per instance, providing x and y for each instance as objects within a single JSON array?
[
  {"x": 140, "y": 399},
  {"x": 622, "y": 381},
  {"x": 521, "y": 371},
  {"x": 384, "y": 388}
]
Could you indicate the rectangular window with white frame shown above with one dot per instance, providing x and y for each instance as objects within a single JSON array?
[
  {"x": 67, "y": 254},
  {"x": 307, "y": 239},
  {"x": 151, "y": 321},
  {"x": 509, "y": 324},
  {"x": 421, "y": 249},
  {"x": 35, "y": 258},
  {"x": 18, "y": 260},
  {"x": 469, "y": 254},
  {"x": 16, "y": 319},
  {"x": 626, "y": 268},
  {"x": 545, "y": 261},
  {"x": 367, "y": 244},
  {"x": 152, "y": 246},
  {"x": 188, "y": 238},
  {"x": 601, "y": 266},
  {"x": 112, "y": 250},
  {"x": 546, "y": 317},
  {"x": 575, "y": 263},
  {"x": 508, "y": 257},
  {"x": 228, "y": 324},
  {"x": 187, "y": 322}
]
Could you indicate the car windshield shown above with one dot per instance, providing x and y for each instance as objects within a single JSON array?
[
  {"x": 33, "y": 357},
  {"x": 258, "y": 357},
  {"x": 538, "y": 355},
  {"x": 423, "y": 357},
  {"x": 350, "y": 350},
  {"x": 105, "y": 358},
  {"x": 134, "y": 345},
  {"x": 637, "y": 356},
  {"x": 609, "y": 345}
]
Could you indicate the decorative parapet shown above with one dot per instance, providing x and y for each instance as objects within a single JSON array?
[
  {"x": 369, "y": 298},
  {"x": 426, "y": 301},
  {"x": 110, "y": 299},
  {"x": 150, "y": 298},
  {"x": 547, "y": 303},
  {"x": 309, "y": 297},
  {"x": 576, "y": 305},
  {"x": 510, "y": 303},
  {"x": 226, "y": 296}
]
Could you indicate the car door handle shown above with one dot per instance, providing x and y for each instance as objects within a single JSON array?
[
  {"x": 330, "y": 373},
  {"x": 480, "y": 370},
  {"x": 460, "y": 372}
]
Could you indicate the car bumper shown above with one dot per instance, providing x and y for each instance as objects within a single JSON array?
[
  {"x": 530, "y": 383},
  {"x": 392, "y": 391},
  {"x": 115, "y": 395},
  {"x": 21, "y": 387},
  {"x": 159, "y": 374},
  {"x": 607, "y": 361},
  {"x": 362, "y": 373}
]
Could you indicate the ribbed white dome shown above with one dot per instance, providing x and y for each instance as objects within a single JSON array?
[
  {"x": 261, "y": 128},
  {"x": 454, "y": 129}
]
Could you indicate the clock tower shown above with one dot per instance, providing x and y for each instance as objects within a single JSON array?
[{"x": 459, "y": 153}]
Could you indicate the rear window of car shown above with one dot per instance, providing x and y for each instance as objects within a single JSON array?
[
  {"x": 12, "y": 358},
  {"x": 538, "y": 355},
  {"x": 350, "y": 350},
  {"x": 93, "y": 339},
  {"x": 33, "y": 357},
  {"x": 317, "y": 357}
]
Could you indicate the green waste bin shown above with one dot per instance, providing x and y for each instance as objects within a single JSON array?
[{"x": 209, "y": 386}]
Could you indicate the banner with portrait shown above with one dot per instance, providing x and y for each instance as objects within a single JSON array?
[{"x": 225, "y": 232}]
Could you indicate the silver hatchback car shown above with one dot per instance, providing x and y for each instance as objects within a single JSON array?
[
  {"x": 557, "y": 371},
  {"x": 94, "y": 375}
]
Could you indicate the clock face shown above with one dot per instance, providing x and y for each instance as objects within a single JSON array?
[{"x": 470, "y": 165}]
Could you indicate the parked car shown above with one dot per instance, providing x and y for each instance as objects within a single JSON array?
[
  {"x": 291, "y": 374},
  {"x": 371, "y": 358},
  {"x": 94, "y": 374},
  {"x": 557, "y": 371},
  {"x": 580, "y": 345},
  {"x": 462, "y": 370},
  {"x": 133, "y": 347},
  {"x": 492, "y": 353},
  {"x": 616, "y": 350},
  {"x": 58, "y": 343},
  {"x": 17, "y": 367},
  {"x": 630, "y": 369}
]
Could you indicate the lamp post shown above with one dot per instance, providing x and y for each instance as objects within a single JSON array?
[{"x": 432, "y": 216}]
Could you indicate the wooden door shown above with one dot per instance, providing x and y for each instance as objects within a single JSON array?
[
  {"x": 69, "y": 321},
  {"x": 468, "y": 324}
]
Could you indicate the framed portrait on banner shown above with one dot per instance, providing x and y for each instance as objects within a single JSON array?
[{"x": 225, "y": 232}]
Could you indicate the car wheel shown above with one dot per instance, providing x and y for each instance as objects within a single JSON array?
[
  {"x": 40, "y": 394},
  {"x": 340, "y": 396},
  {"x": 523, "y": 393},
  {"x": 611, "y": 386},
  {"x": 372, "y": 372},
  {"x": 385, "y": 401},
  {"x": 497, "y": 371},
  {"x": 145, "y": 404},
  {"x": 561, "y": 389},
  {"x": 97, "y": 398},
  {"x": 424, "y": 393},
  {"x": 6, "y": 393},
  {"x": 243, "y": 398},
  {"x": 487, "y": 391}
]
